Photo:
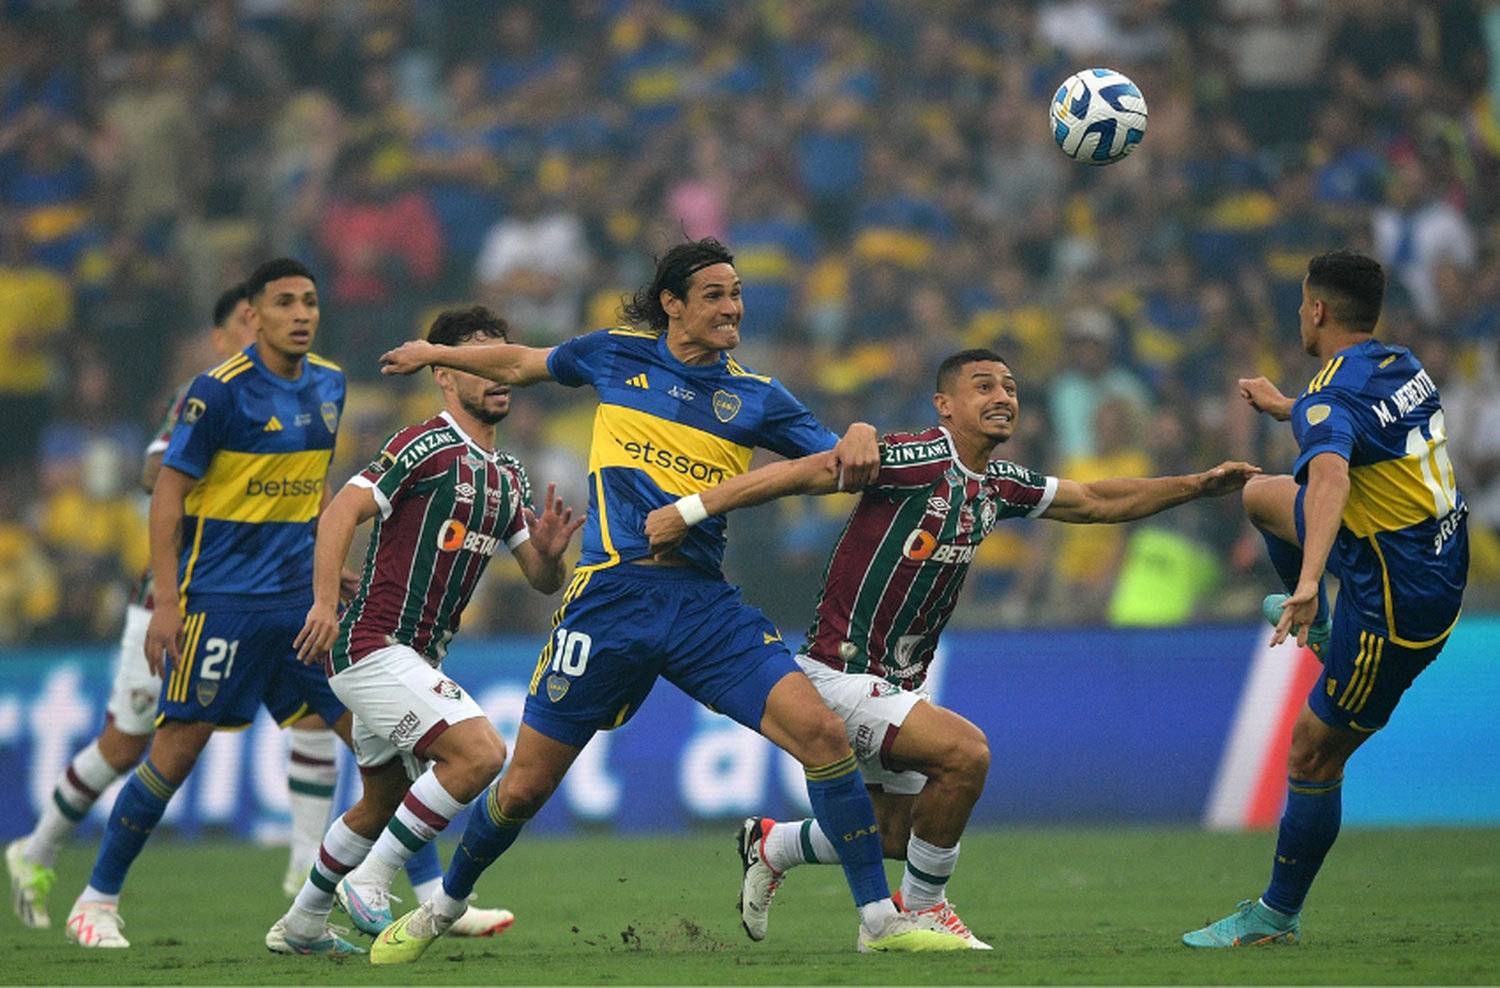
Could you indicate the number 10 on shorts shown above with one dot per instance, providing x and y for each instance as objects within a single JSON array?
[{"x": 570, "y": 652}]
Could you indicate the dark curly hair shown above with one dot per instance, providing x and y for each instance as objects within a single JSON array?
[{"x": 673, "y": 271}]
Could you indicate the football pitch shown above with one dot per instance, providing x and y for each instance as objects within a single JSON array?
[{"x": 1061, "y": 906}]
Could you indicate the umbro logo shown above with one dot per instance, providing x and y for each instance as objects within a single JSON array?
[
  {"x": 274, "y": 425},
  {"x": 639, "y": 381}
]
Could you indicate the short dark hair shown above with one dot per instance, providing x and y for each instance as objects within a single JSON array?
[
  {"x": 1352, "y": 285},
  {"x": 948, "y": 370},
  {"x": 673, "y": 271},
  {"x": 274, "y": 270},
  {"x": 455, "y": 326},
  {"x": 229, "y": 300}
]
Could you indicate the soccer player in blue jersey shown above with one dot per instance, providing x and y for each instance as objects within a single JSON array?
[
  {"x": 233, "y": 515},
  {"x": 1372, "y": 501},
  {"x": 677, "y": 414}
]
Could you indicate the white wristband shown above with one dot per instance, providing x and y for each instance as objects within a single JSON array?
[{"x": 692, "y": 510}]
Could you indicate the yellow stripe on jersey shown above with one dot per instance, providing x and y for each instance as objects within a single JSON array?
[
  {"x": 645, "y": 334},
  {"x": 1321, "y": 379},
  {"x": 1387, "y": 496},
  {"x": 313, "y": 358},
  {"x": 231, "y": 367},
  {"x": 187, "y": 571},
  {"x": 738, "y": 371},
  {"x": 182, "y": 671},
  {"x": 1390, "y": 612},
  {"x": 678, "y": 458},
  {"x": 261, "y": 487}
]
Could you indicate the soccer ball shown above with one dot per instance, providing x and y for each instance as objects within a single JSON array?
[{"x": 1098, "y": 116}]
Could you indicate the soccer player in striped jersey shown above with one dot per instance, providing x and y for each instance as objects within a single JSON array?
[
  {"x": 444, "y": 499},
  {"x": 233, "y": 513},
  {"x": 677, "y": 414},
  {"x": 1372, "y": 500},
  {"x": 889, "y": 589}
]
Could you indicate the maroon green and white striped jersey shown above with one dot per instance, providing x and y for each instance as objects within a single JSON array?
[
  {"x": 446, "y": 504},
  {"x": 896, "y": 571},
  {"x": 158, "y": 444}
]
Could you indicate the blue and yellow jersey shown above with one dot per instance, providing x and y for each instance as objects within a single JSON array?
[
  {"x": 260, "y": 447},
  {"x": 665, "y": 430},
  {"x": 1402, "y": 553}
]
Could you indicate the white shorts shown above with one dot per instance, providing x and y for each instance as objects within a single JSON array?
[
  {"x": 872, "y": 710},
  {"x": 400, "y": 704},
  {"x": 132, "y": 698}
]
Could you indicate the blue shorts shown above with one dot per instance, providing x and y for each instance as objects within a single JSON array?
[
  {"x": 1364, "y": 673},
  {"x": 234, "y": 660},
  {"x": 621, "y": 627}
]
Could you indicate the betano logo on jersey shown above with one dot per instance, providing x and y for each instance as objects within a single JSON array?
[
  {"x": 922, "y": 545},
  {"x": 454, "y": 537}
]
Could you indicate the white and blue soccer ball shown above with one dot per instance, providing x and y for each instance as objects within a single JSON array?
[{"x": 1098, "y": 116}]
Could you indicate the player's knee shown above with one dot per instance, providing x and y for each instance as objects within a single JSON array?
[
  {"x": 971, "y": 762},
  {"x": 823, "y": 737},
  {"x": 487, "y": 758}
]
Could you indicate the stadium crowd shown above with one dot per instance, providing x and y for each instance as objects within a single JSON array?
[{"x": 883, "y": 171}]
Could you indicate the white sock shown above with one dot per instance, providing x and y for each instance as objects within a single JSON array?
[
  {"x": 341, "y": 852},
  {"x": 91, "y": 894},
  {"x": 445, "y": 905},
  {"x": 311, "y": 775},
  {"x": 928, "y": 868},
  {"x": 77, "y": 789},
  {"x": 422, "y": 815},
  {"x": 425, "y": 890},
  {"x": 874, "y": 914},
  {"x": 787, "y": 845}
]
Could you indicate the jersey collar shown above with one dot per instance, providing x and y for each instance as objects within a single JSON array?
[
  {"x": 953, "y": 455},
  {"x": 491, "y": 455}
]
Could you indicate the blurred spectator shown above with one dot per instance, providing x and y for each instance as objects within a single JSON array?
[
  {"x": 533, "y": 264},
  {"x": 36, "y": 307},
  {"x": 1091, "y": 378},
  {"x": 1415, "y": 229},
  {"x": 30, "y": 592}
]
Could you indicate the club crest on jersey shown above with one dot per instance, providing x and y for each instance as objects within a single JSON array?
[
  {"x": 447, "y": 689},
  {"x": 557, "y": 687},
  {"x": 193, "y": 411},
  {"x": 919, "y": 545},
  {"x": 1317, "y": 413},
  {"x": 988, "y": 515},
  {"x": 330, "y": 415},
  {"x": 726, "y": 405},
  {"x": 206, "y": 692}
]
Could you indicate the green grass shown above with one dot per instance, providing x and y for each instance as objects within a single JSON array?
[{"x": 1061, "y": 907}]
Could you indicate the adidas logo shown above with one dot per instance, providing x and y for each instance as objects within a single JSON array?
[
  {"x": 639, "y": 381},
  {"x": 274, "y": 425}
]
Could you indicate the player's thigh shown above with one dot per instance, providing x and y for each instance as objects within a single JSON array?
[
  {"x": 602, "y": 658},
  {"x": 135, "y": 690},
  {"x": 873, "y": 711},
  {"x": 299, "y": 691},
  {"x": 1271, "y": 503},
  {"x": 729, "y": 656},
  {"x": 1365, "y": 673},
  {"x": 229, "y": 659},
  {"x": 401, "y": 704}
]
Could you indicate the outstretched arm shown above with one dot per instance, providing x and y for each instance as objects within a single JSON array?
[
  {"x": 507, "y": 363},
  {"x": 1322, "y": 511},
  {"x": 1128, "y": 498},
  {"x": 667, "y": 526}
]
